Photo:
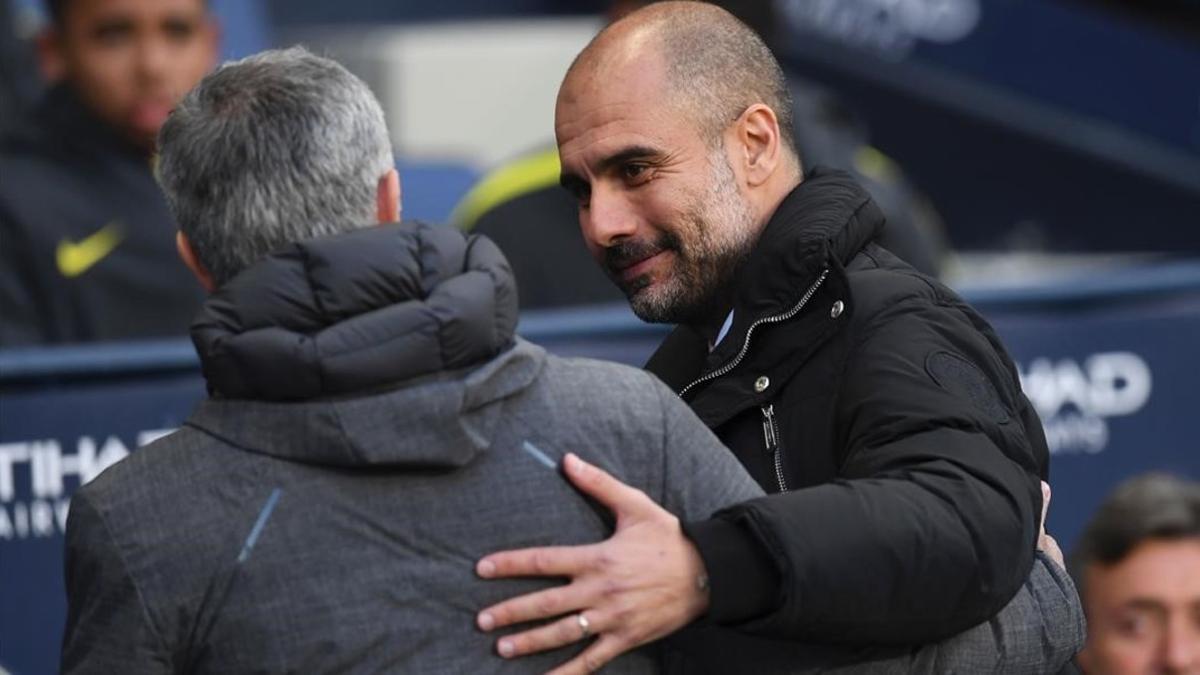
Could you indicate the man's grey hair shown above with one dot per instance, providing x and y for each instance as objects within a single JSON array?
[
  {"x": 1154, "y": 506},
  {"x": 274, "y": 148}
]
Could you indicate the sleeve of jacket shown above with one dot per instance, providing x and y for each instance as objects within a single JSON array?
[
  {"x": 931, "y": 528},
  {"x": 108, "y": 628},
  {"x": 1039, "y": 631}
]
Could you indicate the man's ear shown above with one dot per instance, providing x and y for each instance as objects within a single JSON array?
[
  {"x": 387, "y": 198},
  {"x": 759, "y": 144},
  {"x": 52, "y": 62},
  {"x": 188, "y": 255}
]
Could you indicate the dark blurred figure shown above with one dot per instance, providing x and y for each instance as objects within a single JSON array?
[
  {"x": 18, "y": 76},
  {"x": 87, "y": 246},
  {"x": 1138, "y": 571},
  {"x": 535, "y": 222}
]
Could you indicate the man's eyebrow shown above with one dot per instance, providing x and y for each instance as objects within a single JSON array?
[
  {"x": 574, "y": 182},
  {"x": 626, "y": 154},
  {"x": 116, "y": 24},
  {"x": 1146, "y": 604}
]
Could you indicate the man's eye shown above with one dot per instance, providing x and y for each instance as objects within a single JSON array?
[
  {"x": 635, "y": 172},
  {"x": 581, "y": 194},
  {"x": 1135, "y": 625},
  {"x": 111, "y": 35},
  {"x": 179, "y": 30}
]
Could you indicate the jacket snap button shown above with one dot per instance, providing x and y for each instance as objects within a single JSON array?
[
  {"x": 836, "y": 311},
  {"x": 761, "y": 384}
]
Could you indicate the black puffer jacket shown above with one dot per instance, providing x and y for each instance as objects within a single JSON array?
[
  {"x": 888, "y": 412},
  {"x": 296, "y": 326}
]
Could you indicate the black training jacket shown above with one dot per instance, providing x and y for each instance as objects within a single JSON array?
[
  {"x": 886, "y": 411},
  {"x": 87, "y": 244}
]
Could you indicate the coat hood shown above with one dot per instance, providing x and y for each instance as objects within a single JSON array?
[
  {"x": 355, "y": 312},
  {"x": 382, "y": 347}
]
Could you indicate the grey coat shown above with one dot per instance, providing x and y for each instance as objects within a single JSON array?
[{"x": 341, "y": 536}]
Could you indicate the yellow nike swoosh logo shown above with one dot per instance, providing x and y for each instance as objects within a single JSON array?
[{"x": 75, "y": 258}]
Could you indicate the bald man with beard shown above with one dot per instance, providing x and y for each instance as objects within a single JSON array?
[{"x": 879, "y": 409}]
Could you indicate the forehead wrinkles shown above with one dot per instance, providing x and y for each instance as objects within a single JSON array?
[
  {"x": 588, "y": 132},
  {"x": 603, "y": 150}
]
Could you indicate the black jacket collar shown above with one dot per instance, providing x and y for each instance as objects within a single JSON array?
[
  {"x": 826, "y": 218},
  {"x": 820, "y": 225}
]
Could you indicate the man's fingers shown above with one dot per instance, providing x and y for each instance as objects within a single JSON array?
[
  {"x": 599, "y": 484},
  {"x": 547, "y": 561},
  {"x": 1050, "y": 547},
  {"x": 565, "y": 631},
  {"x": 1045, "y": 503},
  {"x": 607, "y": 648},
  {"x": 545, "y": 604},
  {"x": 1045, "y": 542}
]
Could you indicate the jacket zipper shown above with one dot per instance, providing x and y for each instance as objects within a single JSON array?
[
  {"x": 771, "y": 435},
  {"x": 712, "y": 375}
]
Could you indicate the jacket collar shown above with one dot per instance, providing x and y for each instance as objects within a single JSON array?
[
  {"x": 442, "y": 420},
  {"x": 821, "y": 224},
  {"x": 825, "y": 218}
]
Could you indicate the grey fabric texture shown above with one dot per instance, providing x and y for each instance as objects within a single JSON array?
[{"x": 366, "y": 561}]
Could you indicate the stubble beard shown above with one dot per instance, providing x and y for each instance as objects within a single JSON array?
[{"x": 709, "y": 247}]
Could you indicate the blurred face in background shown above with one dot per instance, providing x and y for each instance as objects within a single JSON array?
[
  {"x": 131, "y": 60},
  {"x": 1143, "y": 612}
]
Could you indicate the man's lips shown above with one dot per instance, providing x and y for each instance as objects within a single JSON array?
[
  {"x": 637, "y": 268},
  {"x": 149, "y": 115}
]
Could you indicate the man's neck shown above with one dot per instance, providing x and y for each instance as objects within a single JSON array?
[{"x": 710, "y": 324}]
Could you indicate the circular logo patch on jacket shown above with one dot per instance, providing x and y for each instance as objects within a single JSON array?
[{"x": 964, "y": 379}]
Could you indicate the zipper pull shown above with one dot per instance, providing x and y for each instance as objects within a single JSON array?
[{"x": 768, "y": 413}]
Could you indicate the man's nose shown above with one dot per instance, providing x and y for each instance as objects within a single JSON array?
[
  {"x": 1181, "y": 651},
  {"x": 153, "y": 56},
  {"x": 608, "y": 219}
]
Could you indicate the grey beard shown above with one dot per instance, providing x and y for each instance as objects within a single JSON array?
[{"x": 694, "y": 298}]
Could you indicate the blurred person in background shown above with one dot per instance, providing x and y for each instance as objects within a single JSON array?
[
  {"x": 86, "y": 240},
  {"x": 1137, "y": 567},
  {"x": 521, "y": 206},
  {"x": 18, "y": 75}
]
